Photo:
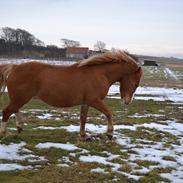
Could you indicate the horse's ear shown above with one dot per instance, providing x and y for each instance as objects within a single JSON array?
[{"x": 139, "y": 70}]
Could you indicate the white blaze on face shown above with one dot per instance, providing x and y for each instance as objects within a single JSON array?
[{"x": 132, "y": 96}]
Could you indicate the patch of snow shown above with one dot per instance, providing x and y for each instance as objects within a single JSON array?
[
  {"x": 157, "y": 93},
  {"x": 11, "y": 152},
  {"x": 46, "y": 128},
  {"x": 15, "y": 152},
  {"x": 45, "y": 116},
  {"x": 89, "y": 127},
  {"x": 66, "y": 159},
  {"x": 100, "y": 159},
  {"x": 114, "y": 89},
  {"x": 136, "y": 115},
  {"x": 160, "y": 98},
  {"x": 174, "y": 176},
  {"x": 46, "y": 145},
  {"x": 171, "y": 127},
  {"x": 151, "y": 150},
  {"x": 170, "y": 73},
  {"x": 13, "y": 166},
  {"x": 153, "y": 154},
  {"x": 124, "y": 141},
  {"x": 135, "y": 177},
  {"x": 96, "y": 128},
  {"x": 20, "y": 61},
  {"x": 62, "y": 165},
  {"x": 98, "y": 170}
]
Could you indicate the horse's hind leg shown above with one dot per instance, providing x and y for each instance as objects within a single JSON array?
[
  {"x": 83, "y": 116},
  {"x": 19, "y": 121},
  {"x": 7, "y": 112}
]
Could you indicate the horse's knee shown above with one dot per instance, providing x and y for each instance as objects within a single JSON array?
[
  {"x": 82, "y": 117},
  {"x": 6, "y": 115},
  {"x": 8, "y": 111},
  {"x": 109, "y": 116}
]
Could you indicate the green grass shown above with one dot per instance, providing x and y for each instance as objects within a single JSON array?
[{"x": 80, "y": 171}]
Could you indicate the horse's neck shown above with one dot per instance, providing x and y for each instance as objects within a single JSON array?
[{"x": 113, "y": 72}]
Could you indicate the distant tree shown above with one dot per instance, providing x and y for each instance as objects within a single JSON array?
[
  {"x": 8, "y": 34},
  {"x": 69, "y": 43},
  {"x": 52, "y": 46},
  {"x": 2, "y": 41},
  {"x": 99, "y": 46},
  {"x": 25, "y": 38},
  {"x": 19, "y": 36},
  {"x": 38, "y": 42}
]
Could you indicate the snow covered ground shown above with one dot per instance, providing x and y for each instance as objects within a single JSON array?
[
  {"x": 163, "y": 72},
  {"x": 141, "y": 149},
  {"x": 17, "y": 152},
  {"x": 152, "y": 93},
  {"x": 164, "y": 152},
  {"x": 144, "y": 149},
  {"x": 19, "y": 61}
]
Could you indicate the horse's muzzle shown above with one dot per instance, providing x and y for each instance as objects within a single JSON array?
[
  {"x": 126, "y": 103},
  {"x": 127, "y": 100}
]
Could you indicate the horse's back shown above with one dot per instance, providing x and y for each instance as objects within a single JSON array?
[{"x": 60, "y": 85}]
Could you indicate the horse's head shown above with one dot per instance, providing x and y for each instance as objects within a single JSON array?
[{"x": 129, "y": 84}]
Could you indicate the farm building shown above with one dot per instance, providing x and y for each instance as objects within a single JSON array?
[
  {"x": 150, "y": 63},
  {"x": 76, "y": 52}
]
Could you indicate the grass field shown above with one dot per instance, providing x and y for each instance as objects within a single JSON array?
[
  {"x": 127, "y": 158},
  {"x": 147, "y": 146}
]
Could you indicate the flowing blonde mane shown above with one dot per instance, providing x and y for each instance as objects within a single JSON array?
[{"x": 108, "y": 57}]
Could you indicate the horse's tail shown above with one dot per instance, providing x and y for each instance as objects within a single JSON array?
[{"x": 5, "y": 70}]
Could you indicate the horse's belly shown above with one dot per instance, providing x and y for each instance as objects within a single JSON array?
[{"x": 61, "y": 98}]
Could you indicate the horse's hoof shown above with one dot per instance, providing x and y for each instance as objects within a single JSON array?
[
  {"x": 9, "y": 134},
  {"x": 110, "y": 136},
  {"x": 2, "y": 133},
  {"x": 6, "y": 134},
  {"x": 19, "y": 129},
  {"x": 86, "y": 138}
]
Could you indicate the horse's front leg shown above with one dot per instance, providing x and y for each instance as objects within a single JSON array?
[
  {"x": 83, "y": 117},
  {"x": 19, "y": 121},
  {"x": 99, "y": 105}
]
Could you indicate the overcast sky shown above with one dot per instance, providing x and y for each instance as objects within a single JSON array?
[{"x": 153, "y": 27}]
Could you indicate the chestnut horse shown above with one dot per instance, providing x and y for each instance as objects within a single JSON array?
[{"x": 85, "y": 83}]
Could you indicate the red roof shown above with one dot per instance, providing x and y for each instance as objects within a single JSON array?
[{"x": 77, "y": 50}]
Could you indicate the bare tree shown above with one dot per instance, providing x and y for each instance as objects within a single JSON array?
[
  {"x": 51, "y": 46},
  {"x": 99, "y": 46},
  {"x": 19, "y": 36},
  {"x": 25, "y": 38},
  {"x": 69, "y": 43},
  {"x": 8, "y": 34}
]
